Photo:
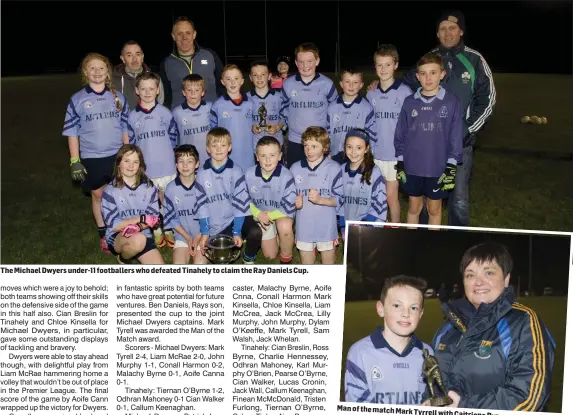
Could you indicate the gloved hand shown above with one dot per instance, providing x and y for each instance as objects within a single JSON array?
[
  {"x": 401, "y": 174},
  {"x": 150, "y": 221},
  {"x": 448, "y": 177},
  {"x": 77, "y": 169},
  {"x": 130, "y": 230}
]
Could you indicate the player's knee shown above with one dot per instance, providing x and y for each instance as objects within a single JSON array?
[
  {"x": 435, "y": 209},
  {"x": 284, "y": 226},
  {"x": 137, "y": 242},
  {"x": 255, "y": 233},
  {"x": 415, "y": 208}
]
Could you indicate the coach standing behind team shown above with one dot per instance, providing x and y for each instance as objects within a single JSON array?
[
  {"x": 468, "y": 76},
  {"x": 189, "y": 58}
]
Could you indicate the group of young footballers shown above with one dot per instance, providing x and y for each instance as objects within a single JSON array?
[{"x": 176, "y": 177}]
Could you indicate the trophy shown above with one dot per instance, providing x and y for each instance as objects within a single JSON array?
[
  {"x": 431, "y": 372},
  {"x": 221, "y": 249},
  {"x": 262, "y": 125}
]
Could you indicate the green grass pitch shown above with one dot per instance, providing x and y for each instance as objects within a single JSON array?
[{"x": 360, "y": 319}]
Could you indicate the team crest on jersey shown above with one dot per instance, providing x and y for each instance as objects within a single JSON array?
[
  {"x": 162, "y": 122},
  {"x": 225, "y": 114},
  {"x": 441, "y": 346},
  {"x": 466, "y": 77},
  {"x": 298, "y": 179},
  {"x": 88, "y": 104},
  {"x": 397, "y": 102},
  {"x": 376, "y": 374},
  {"x": 414, "y": 113},
  {"x": 249, "y": 114},
  {"x": 484, "y": 350},
  {"x": 373, "y": 102},
  {"x": 121, "y": 200},
  {"x": 184, "y": 121},
  {"x": 137, "y": 124},
  {"x": 293, "y": 93},
  {"x": 336, "y": 118},
  {"x": 208, "y": 184},
  {"x": 177, "y": 200},
  {"x": 443, "y": 112},
  {"x": 254, "y": 189},
  {"x": 450, "y": 65}
]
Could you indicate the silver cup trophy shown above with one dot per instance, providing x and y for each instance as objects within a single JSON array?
[
  {"x": 221, "y": 249},
  {"x": 262, "y": 125}
]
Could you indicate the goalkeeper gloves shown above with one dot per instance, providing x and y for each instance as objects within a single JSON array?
[
  {"x": 401, "y": 174},
  {"x": 448, "y": 177},
  {"x": 131, "y": 229},
  {"x": 150, "y": 221},
  {"x": 77, "y": 169}
]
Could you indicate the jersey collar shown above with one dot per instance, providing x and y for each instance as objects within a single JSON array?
[
  {"x": 229, "y": 164},
  {"x": 395, "y": 86},
  {"x": 89, "y": 90},
  {"x": 185, "y": 106},
  {"x": 304, "y": 164},
  {"x": 352, "y": 173},
  {"x": 340, "y": 100},
  {"x": 276, "y": 173},
  {"x": 178, "y": 182},
  {"x": 226, "y": 97},
  {"x": 270, "y": 92},
  {"x": 380, "y": 342},
  {"x": 440, "y": 95},
  {"x": 299, "y": 78},
  {"x": 139, "y": 108}
]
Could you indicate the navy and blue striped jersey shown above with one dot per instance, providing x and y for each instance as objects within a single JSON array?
[
  {"x": 193, "y": 126},
  {"x": 94, "y": 118},
  {"x": 155, "y": 132},
  {"x": 221, "y": 195},
  {"x": 126, "y": 202},
  {"x": 179, "y": 208},
  {"x": 306, "y": 104},
  {"x": 277, "y": 192},
  {"x": 362, "y": 201},
  {"x": 317, "y": 223},
  {"x": 429, "y": 133},
  {"x": 387, "y": 105},
  {"x": 272, "y": 103},
  {"x": 342, "y": 117},
  {"x": 376, "y": 373},
  {"x": 238, "y": 119}
]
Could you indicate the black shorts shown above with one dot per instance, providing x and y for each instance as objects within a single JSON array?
[
  {"x": 100, "y": 171},
  {"x": 424, "y": 186},
  {"x": 149, "y": 246}
]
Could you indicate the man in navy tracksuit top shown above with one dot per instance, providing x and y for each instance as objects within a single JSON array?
[
  {"x": 468, "y": 77},
  {"x": 493, "y": 352},
  {"x": 189, "y": 58}
]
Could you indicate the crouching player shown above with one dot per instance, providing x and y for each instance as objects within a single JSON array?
[
  {"x": 363, "y": 185},
  {"x": 318, "y": 181},
  {"x": 272, "y": 190},
  {"x": 130, "y": 208},
  {"x": 386, "y": 366},
  {"x": 180, "y": 200}
]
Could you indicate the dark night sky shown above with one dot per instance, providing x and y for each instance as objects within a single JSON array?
[
  {"x": 435, "y": 256},
  {"x": 515, "y": 36}
]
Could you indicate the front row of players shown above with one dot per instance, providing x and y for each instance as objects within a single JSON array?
[{"x": 256, "y": 207}]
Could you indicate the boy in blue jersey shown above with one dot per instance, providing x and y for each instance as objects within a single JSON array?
[
  {"x": 386, "y": 366},
  {"x": 387, "y": 100},
  {"x": 193, "y": 115},
  {"x": 180, "y": 202},
  {"x": 222, "y": 197},
  {"x": 348, "y": 111},
  {"x": 363, "y": 184},
  {"x": 96, "y": 127},
  {"x": 428, "y": 141},
  {"x": 270, "y": 98},
  {"x": 305, "y": 99},
  {"x": 153, "y": 129},
  {"x": 272, "y": 190},
  {"x": 318, "y": 182},
  {"x": 234, "y": 112},
  {"x": 130, "y": 208}
]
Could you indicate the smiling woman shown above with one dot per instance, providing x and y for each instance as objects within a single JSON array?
[{"x": 493, "y": 352}]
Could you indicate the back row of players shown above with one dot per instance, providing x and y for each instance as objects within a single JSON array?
[{"x": 415, "y": 139}]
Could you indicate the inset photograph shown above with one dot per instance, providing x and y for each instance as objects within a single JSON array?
[{"x": 459, "y": 319}]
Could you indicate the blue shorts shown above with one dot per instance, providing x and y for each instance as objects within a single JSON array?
[
  {"x": 100, "y": 172},
  {"x": 424, "y": 186},
  {"x": 149, "y": 246}
]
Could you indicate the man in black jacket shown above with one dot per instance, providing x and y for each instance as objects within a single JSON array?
[{"x": 494, "y": 353}]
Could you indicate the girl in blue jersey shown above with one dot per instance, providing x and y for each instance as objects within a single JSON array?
[
  {"x": 130, "y": 208},
  {"x": 96, "y": 127},
  {"x": 364, "y": 195}
]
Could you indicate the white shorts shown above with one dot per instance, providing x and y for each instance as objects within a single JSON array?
[
  {"x": 162, "y": 182},
  {"x": 180, "y": 244},
  {"x": 309, "y": 246},
  {"x": 270, "y": 232},
  {"x": 388, "y": 169}
]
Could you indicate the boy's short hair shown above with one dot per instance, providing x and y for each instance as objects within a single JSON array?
[
  {"x": 260, "y": 62},
  {"x": 317, "y": 134},
  {"x": 218, "y": 134},
  {"x": 307, "y": 47},
  {"x": 402, "y": 280},
  {"x": 186, "y": 150},
  {"x": 230, "y": 67},
  {"x": 488, "y": 252},
  {"x": 183, "y": 19},
  {"x": 147, "y": 76},
  {"x": 387, "y": 50},
  {"x": 351, "y": 71},
  {"x": 430, "y": 57},
  {"x": 193, "y": 79},
  {"x": 268, "y": 140}
]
